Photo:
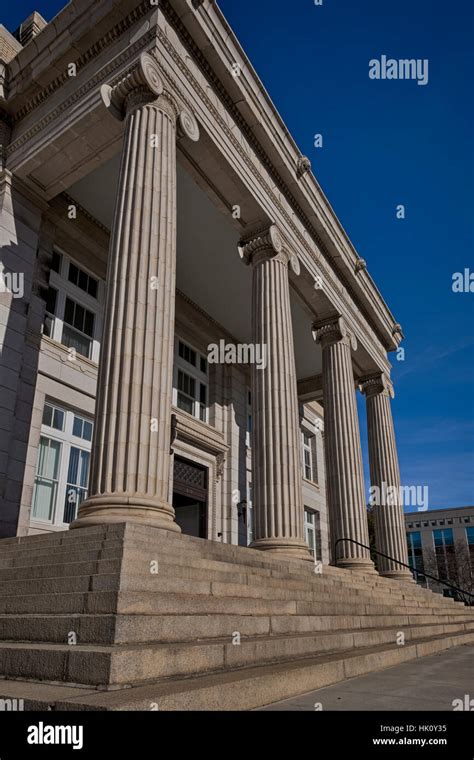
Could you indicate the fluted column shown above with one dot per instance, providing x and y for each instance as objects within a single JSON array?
[
  {"x": 390, "y": 533},
  {"x": 276, "y": 464},
  {"x": 130, "y": 465},
  {"x": 343, "y": 454}
]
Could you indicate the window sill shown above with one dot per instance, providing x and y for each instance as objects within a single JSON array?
[
  {"x": 64, "y": 350},
  {"x": 311, "y": 483}
]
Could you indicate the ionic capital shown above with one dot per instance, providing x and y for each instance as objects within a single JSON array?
[
  {"x": 267, "y": 244},
  {"x": 141, "y": 84},
  {"x": 333, "y": 331},
  {"x": 376, "y": 385}
]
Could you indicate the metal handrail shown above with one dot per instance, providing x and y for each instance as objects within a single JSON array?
[{"x": 415, "y": 572}]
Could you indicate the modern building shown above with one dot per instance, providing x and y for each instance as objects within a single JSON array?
[
  {"x": 441, "y": 543},
  {"x": 184, "y": 327}
]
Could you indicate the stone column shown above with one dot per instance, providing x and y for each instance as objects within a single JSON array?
[
  {"x": 390, "y": 534},
  {"x": 130, "y": 466},
  {"x": 343, "y": 454},
  {"x": 276, "y": 464}
]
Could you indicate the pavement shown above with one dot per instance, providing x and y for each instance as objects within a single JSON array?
[{"x": 428, "y": 683}]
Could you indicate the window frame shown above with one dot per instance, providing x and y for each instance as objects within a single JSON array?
[
  {"x": 67, "y": 441},
  {"x": 312, "y": 526},
  {"x": 65, "y": 289},
  {"x": 195, "y": 373}
]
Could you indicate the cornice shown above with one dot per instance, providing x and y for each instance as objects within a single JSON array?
[
  {"x": 92, "y": 52},
  {"x": 101, "y": 77},
  {"x": 191, "y": 430},
  {"x": 326, "y": 263}
]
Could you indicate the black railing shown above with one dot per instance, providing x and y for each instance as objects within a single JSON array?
[{"x": 465, "y": 596}]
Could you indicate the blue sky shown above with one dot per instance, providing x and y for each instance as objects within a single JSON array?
[{"x": 387, "y": 143}]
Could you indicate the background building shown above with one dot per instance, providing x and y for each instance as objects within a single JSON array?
[{"x": 441, "y": 542}]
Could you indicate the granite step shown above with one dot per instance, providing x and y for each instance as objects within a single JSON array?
[
  {"x": 242, "y": 688},
  {"x": 130, "y": 664}
]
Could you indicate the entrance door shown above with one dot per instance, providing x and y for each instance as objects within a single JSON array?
[{"x": 190, "y": 497}]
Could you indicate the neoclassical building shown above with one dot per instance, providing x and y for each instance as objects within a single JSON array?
[{"x": 184, "y": 322}]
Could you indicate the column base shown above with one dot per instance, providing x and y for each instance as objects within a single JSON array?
[
  {"x": 106, "y": 510},
  {"x": 360, "y": 565},
  {"x": 398, "y": 575},
  {"x": 292, "y": 548}
]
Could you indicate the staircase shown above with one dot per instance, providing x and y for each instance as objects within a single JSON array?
[{"x": 128, "y": 617}]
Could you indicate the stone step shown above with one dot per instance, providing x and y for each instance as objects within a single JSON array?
[
  {"x": 317, "y": 590},
  {"x": 126, "y": 664},
  {"x": 173, "y": 592},
  {"x": 205, "y": 553},
  {"x": 196, "y": 618},
  {"x": 19, "y": 589},
  {"x": 107, "y": 536},
  {"x": 258, "y": 566},
  {"x": 244, "y": 688}
]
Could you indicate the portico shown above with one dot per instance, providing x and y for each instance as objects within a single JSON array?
[{"x": 144, "y": 124}]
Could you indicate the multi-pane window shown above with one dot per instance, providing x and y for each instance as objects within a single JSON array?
[
  {"x": 191, "y": 387},
  {"x": 47, "y": 479},
  {"x": 307, "y": 455},
  {"x": 84, "y": 281},
  {"x": 62, "y": 470},
  {"x": 248, "y": 432},
  {"x": 445, "y": 553},
  {"x": 312, "y": 534},
  {"x": 73, "y": 312},
  {"x": 415, "y": 551},
  {"x": 470, "y": 543}
]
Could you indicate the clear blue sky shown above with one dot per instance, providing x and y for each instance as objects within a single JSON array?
[{"x": 387, "y": 143}]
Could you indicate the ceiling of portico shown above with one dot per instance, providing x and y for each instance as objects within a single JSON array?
[{"x": 209, "y": 270}]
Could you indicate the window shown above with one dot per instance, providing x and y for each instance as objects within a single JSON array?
[
  {"x": 249, "y": 516},
  {"x": 77, "y": 481},
  {"x": 248, "y": 432},
  {"x": 73, "y": 315},
  {"x": 83, "y": 280},
  {"x": 309, "y": 456},
  {"x": 51, "y": 301},
  {"x": 470, "y": 544},
  {"x": 53, "y": 417},
  {"x": 47, "y": 479},
  {"x": 62, "y": 470},
  {"x": 445, "y": 555},
  {"x": 56, "y": 262},
  {"x": 190, "y": 391},
  {"x": 312, "y": 532},
  {"x": 415, "y": 551}
]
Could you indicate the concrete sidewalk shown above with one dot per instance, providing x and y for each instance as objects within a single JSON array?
[{"x": 429, "y": 683}]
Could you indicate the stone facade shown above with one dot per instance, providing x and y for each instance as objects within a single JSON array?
[{"x": 133, "y": 176}]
